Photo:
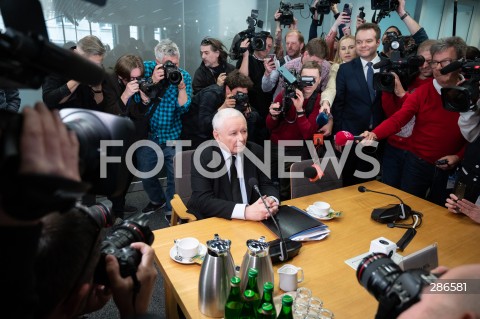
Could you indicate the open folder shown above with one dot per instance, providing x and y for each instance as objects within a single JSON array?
[{"x": 297, "y": 225}]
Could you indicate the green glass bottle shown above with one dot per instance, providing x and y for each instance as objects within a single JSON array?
[
  {"x": 234, "y": 303},
  {"x": 267, "y": 311},
  {"x": 286, "y": 312},
  {"x": 267, "y": 297},
  {"x": 252, "y": 285},
  {"x": 249, "y": 310}
]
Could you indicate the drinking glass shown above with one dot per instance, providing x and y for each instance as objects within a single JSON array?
[{"x": 325, "y": 314}]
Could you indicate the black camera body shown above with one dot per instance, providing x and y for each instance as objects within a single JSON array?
[
  {"x": 323, "y": 6},
  {"x": 294, "y": 81},
  {"x": 241, "y": 101},
  {"x": 394, "y": 289},
  {"x": 131, "y": 230},
  {"x": 402, "y": 61},
  {"x": 147, "y": 86},
  {"x": 385, "y": 5},
  {"x": 286, "y": 17},
  {"x": 463, "y": 98},
  {"x": 258, "y": 40},
  {"x": 172, "y": 73}
]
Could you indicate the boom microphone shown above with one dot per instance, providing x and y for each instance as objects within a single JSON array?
[
  {"x": 342, "y": 137},
  {"x": 455, "y": 65},
  {"x": 390, "y": 213},
  {"x": 253, "y": 182}
]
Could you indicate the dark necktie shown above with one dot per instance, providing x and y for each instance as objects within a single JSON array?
[
  {"x": 235, "y": 182},
  {"x": 370, "y": 81}
]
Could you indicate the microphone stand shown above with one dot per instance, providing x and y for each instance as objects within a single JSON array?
[
  {"x": 283, "y": 245},
  {"x": 403, "y": 215}
]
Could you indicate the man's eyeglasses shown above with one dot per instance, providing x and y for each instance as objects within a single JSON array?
[{"x": 443, "y": 63}]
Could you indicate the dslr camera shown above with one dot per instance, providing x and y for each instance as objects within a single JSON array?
[
  {"x": 294, "y": 81},
  {"x": 172, "y": 73},
  {"x": 462, "y": 98},
  {"x": 28, "y": 196},
  {"x": 401, "y": 61},
  {"x": 147, "y": 86},
  {"x": 117, "y": 243},
  {"x": 394, "y": 289},
  {"x": 258, "y": 40},
  {"x": 323, "y": 6},
  {"x": 286, "y": 17},
  {"x": 241, "y": 101},
  {"x": 385, "y": 5}
]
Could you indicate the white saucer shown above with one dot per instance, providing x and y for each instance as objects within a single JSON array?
[
  {"x": 187, "y": 261},
  {"x": 320, "y": 218}
]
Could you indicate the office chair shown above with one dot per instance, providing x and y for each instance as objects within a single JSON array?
[
  {"x": 183, "y": 190},
  {"x": 303, "y": 186}
]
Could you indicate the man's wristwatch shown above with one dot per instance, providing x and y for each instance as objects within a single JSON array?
[{"x": 405, "y": 15}]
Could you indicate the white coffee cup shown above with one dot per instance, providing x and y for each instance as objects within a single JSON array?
[
  {"x": 187, "y": 247},
  {"x": 288, "y": 277},
  {"x": 319, "y": 209}
]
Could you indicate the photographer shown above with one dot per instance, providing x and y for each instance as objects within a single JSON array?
[
  {"x": 197, "y": 122},
  {"x": 397, "y": 145},
  {"x": 166, "y": 123},
  {"x": 214, "y": 67},
  {"x": 295, "y": 120},
  {"x": 59, "y": 93},
  {"x": 436, "y": 144}
]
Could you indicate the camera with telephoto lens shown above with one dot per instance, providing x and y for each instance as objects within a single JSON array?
[
  {"x": 42, "y": 194},
  {"x": 402, "y": 62},
  {"x": 147, "y": 86},
  {"x": 117, "y": 243},
  {"x": 463, "y": 98},
  {"x": 258, "y": 40},
  {"x": 241, "y": 101},
  {"x": 395, "y": 290},
  {"x": 172, "y": 73},
  {"x": 286, "y": 12}
]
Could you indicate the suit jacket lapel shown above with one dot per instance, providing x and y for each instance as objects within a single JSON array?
[
  {"x": 248, "y": 172},
  {"x": 223, "y": 180}
]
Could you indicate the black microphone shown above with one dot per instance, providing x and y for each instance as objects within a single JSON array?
[
  {"x": 406, "y": 210},
  {"x": 382, "y": 63},
  {"x": 455, "y": 65},
  {"x": 253, "y": 182}
]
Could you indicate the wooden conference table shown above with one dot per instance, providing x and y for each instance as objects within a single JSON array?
[{"x": 326, "y": 273}]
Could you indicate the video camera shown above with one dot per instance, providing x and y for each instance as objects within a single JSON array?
[
  {"x": 241, "y": 101},
  {"x": 401, "y": 61},
  {"x": 48, "y": 193},
  {"x": 294, "y": 81},
  {"x": 117, "y": 243},
  {"x": 323, "y": 6},
  {"x": 286, "y": 17},
  {"x": 394, "y": 289},
  {"x": 258, "y": 40},
  {"x": 385, "y": 7},
  {"x": 462, "y": 98}
]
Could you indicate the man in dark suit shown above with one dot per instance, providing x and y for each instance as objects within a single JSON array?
[
  {"x": 222, "y": 169},
  {"x": 357, "y": 105}
]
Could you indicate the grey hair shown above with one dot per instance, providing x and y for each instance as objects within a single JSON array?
[
  {"x": 224, "y": 114},
  {"x": 166, "y": 48},
  {"x": 451, "y": 42},
  {"x": 91, "y": 45}
]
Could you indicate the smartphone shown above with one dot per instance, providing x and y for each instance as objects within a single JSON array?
[
  {"x": 271, "y": 57},
  {"x": 347, "y": 8}
]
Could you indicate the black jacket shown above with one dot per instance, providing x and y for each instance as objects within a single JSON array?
[{"x": 204, "y": 76}]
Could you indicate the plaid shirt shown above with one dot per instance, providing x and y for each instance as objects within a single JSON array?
[{"x": 166, "y": 124}]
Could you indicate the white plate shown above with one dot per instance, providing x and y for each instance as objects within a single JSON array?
[
  {"x": 187, "y": 261},
  {"x": 320, "y": 218}
]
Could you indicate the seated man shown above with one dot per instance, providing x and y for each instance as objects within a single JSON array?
[
  {"x": 197, "y": 122},
  {"x": 223, "y": 189}
]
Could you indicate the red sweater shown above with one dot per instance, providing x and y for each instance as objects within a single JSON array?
[
  {"x": 392, "y": 103},
  {"x": 436, "y": 132},
  {"x": 302, "y": 127}
]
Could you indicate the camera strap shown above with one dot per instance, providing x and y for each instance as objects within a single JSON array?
[{"x": 311, "y": 104}]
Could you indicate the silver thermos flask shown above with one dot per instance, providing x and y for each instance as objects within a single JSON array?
[
  {"x": 257, "y": 256},
  {"x": 214, "y": 282}
]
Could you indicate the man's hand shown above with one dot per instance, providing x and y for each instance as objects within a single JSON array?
[
  {"x": 360, "y": 21},
  {"x": 326, "y": 130},
  {"x": 46, "y": 146},
  {"x": 269, "y": 66},
  {"x": 275, "y": 109},
  {"x": 131, "y": 88},
  {"x": 325, "y": 107},
  {"x": 245, "y": 44},
  {"x": 463, "y": 206},
  {"x": 343, "y": 18},
  {"x": 452, "y": 161},
  {"x": 257, "y": 210},
  {"x": 122, "y": 288},
  {"x": 298, "y": 102},
  {"x": 229, "y": 102},
  {"x": 158, "y": 73},
  {"x": 221, "y": 79},
  {"x": 399, "y": 90}
]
